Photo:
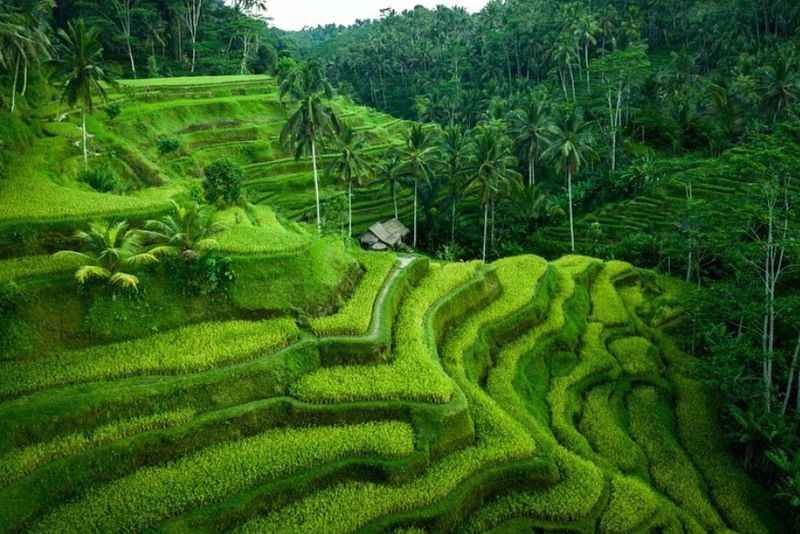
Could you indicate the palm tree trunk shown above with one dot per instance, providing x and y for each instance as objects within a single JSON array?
[
  {"x": 414, "y": 245},
  {"x": 85, "y": 151},
  {"x": 453, "y": 224},
  {"x": 572, "y": 80},
  {"x": 571, "y": 220},
  {"x": 14, "y": 88},
  {"x": 485, "y": 227},
  {"x": 24, "y": 78},
  {"x": 130, "y": 56},
  {"x": 791, "y": 376},
  {"x": 316, "y": 184},
  {"x": 531, "y": 175},
  {"x": 350, "y": 208}
]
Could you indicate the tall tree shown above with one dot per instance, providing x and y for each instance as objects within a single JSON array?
[
  {"x": 417, "y": 156},
  {"x": 493, "y": 167},
  {"x": 24, "y": 40},
  {"x": 390, "y": 174},
  {"x": 571, "y": 145},
  {"x": 455, "y": 151},
  {"x": 313, "y": 120},
  {"x": 531, "y": 127},
  {"x": 192, "y": 11},
  {"x": 82, "y": 72},
  {"x": 351, "y": 164}
]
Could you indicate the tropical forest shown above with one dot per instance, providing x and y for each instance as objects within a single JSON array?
[{"x": 522, "y": 268}]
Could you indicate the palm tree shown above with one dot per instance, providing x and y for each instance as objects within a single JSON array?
[
  {"x": 454, "y": 150},
  {"x": 82, "y": 71},
  {"x": 350, "y": 164},
  {"x": 779, "y": 85},
  {"x": 390, "y": 174},
  {"x": 313, "y": 120},
  {"x": 187, "y": 233},
  {"x": 493, "y": 168},
  {"x": 571, "y": 147},
  {"x": 416, "y": 156},
  {"x": 529, "y": 203},
  {"x": 23, "y": 41},
  {"x": 531, "y": 127},
  {"x": 109, "y": 250}
]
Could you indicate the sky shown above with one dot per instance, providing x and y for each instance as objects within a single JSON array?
[{"x": 295, "y": 14}]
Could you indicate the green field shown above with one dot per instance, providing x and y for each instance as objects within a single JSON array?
[{"x": 332, "y": 390}]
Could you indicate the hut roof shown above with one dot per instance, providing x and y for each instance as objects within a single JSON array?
[{"x": 390, "y": 232}]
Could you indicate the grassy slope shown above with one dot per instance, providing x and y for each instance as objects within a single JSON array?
[{"x": 518, "y": 396}]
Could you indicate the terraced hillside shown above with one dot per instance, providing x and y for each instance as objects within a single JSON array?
[
  {"x": 331, "y": 390},
  {"x": 658, "y": 210},
  {"x": 515, "y": 396}
]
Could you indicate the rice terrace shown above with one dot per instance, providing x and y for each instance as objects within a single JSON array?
[{"x": 525, "y": 269}]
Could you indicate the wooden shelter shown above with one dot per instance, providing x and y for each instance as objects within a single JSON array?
[{"x": 384, "y": 236}]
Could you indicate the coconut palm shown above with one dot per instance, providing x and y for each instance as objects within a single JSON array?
[
  {"x": 779, "y": 85},
  {"x": 188, "y": 232},
  {"x": 351, "y": 164},
  {"x": 82, "y": 71},
  {"x": 531, "y": 127},
  {"x": 416, "y": 157},
  {"x": 23, "y": 41},
  {"x": 493, "y": 168},
  {"x": 454, "y": 151},
  {"x": 571, "y": 147},
  {"x": 109, "y": 252},
  {"x": 389, "y": 173},
  {"x": 312, "y": 122}
]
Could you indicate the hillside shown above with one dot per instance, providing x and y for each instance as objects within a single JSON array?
[{"x": 330, "y": 390}]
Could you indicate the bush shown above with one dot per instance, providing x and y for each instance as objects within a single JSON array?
[
  {"x": 101, "y": 179},
  {"x": 113, "y": 110},
  {"x": 151, "y": 495},
  {"x": 188, "y": 349},
  {"x": 168, "y": 145},
  {"x": 208, "y": 274},
  {"x": 223, "y": 182}
]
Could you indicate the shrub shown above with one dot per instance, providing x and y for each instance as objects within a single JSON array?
[
  {"x": 113, "y": 110},
  {"x": 101, "y": 179},
  {"x": 168, "y": 145},
  {"x": 191, "y": 348},
  {"x": 208, "y": 274},
  {"x": 223, "y": 182},
  {"x": 20, "y": 462},
  {"x": 153, "y": 494}
]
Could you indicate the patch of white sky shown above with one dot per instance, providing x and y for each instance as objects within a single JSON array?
[{"x": 297, "y": 14}]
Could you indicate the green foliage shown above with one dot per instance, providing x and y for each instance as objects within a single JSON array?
[
  {"x": 101, "y": 179},
  {"x": 113, "y": 111},
  {"x": 190, "y": 349},
  {"x": 109, "y": 251},
  {"x": 223, "y": 182},
  {"x": 168, "y": 145}
]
